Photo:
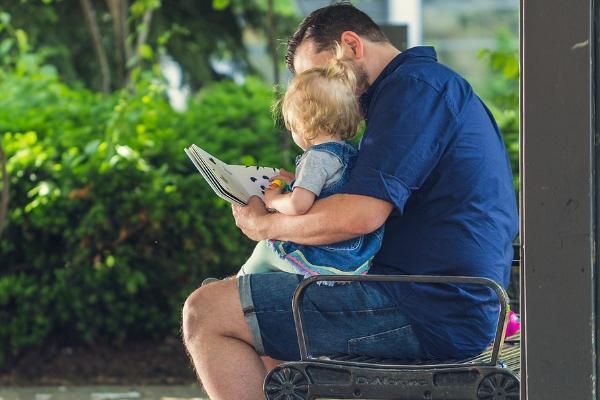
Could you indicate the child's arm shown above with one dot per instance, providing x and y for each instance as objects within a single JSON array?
[{"x": 297, "y": 202}]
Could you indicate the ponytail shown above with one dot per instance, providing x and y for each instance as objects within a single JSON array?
[
  {"x": 322, "y": 100},
  {"x": 339, "y": 67}
]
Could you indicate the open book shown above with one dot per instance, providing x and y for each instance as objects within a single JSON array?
[{"x": 234, "y": 183}]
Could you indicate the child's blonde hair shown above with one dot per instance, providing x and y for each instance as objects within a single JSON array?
[{"x": 322, "y": 101}]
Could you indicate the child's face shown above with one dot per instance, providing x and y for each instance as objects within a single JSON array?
[{"x": 300, "y": 141}]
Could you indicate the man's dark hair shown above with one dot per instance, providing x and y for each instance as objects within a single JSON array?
[{"x": 325, "y": 26}]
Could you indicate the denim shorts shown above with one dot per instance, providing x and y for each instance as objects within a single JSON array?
[{"x": 353, "y": 318}]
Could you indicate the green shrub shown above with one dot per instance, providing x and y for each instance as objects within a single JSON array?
[
  {"x": 110, "y": 226},
  {"x": 503, "y": 93}
]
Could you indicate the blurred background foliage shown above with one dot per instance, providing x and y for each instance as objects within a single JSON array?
[
  {"x": 502, "y": 93},
  {"x": 96, "y": 43},
  {"x": 108, "y": 226}
]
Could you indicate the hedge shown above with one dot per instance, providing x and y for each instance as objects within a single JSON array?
[{"x": 110, "y": 227}]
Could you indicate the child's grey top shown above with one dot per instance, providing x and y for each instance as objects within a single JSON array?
[{"x": 317, "y": 169}]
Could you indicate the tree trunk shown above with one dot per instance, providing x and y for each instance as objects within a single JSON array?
[
  {"x": 5, "y": 187},
  {"x": 144, "y": 31},
  {"x": 272, "y": 42},
  {"x": 272, "y": 45},
  {"x": 119, "y": 10},
  {"x": 90, "y": 18}
]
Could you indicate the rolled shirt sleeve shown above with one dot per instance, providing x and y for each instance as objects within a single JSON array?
[{"x": 409, "y": 125}]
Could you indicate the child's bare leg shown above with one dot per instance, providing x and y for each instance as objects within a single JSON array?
[{"x": 264, "y": 259}]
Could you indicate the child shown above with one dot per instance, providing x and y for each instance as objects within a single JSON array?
[{"x": 321, "y": 110}]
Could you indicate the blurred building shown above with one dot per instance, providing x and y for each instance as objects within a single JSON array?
[{"x": 458, "y": 29}]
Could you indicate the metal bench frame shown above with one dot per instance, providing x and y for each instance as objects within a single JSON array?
[{"x": 325, "y": 377}]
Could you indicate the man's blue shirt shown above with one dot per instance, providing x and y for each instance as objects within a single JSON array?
[{"x": 433, "y": 150}]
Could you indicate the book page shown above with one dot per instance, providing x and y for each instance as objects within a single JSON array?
[
  {"x": 255, "y": 180},
  {"x": 234, "y": 183},
  {"x": 222, "y": 173},
  {"x": 218, "y": 188},
  {"x": 211, "y": 180}
]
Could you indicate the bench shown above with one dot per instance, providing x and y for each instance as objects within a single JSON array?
[{"x": 493, "y": 375}]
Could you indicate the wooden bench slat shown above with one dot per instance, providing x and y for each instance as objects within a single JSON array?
[{"x": 510, "y": 355}]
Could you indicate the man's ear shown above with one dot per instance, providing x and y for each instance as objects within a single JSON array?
[{"x": 354, "y": 42}]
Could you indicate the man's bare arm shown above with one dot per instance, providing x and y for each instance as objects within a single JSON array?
[{"x": 335, "y": 218}]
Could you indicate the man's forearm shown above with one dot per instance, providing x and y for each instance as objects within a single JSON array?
[{"x": 333, "y": 219}]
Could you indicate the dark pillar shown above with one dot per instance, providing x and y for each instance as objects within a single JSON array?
[{"x": 558, "y": 199}]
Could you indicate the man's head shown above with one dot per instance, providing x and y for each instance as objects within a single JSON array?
[{"x": 313, "y": 42}]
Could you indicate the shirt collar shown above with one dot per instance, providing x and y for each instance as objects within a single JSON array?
[{"x": 419, "y": 51}]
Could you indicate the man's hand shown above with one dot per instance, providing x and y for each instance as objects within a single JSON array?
[{"x": 249, "y": 218}]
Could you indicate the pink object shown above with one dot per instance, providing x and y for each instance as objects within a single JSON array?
[{"x": 514, "y": 324}]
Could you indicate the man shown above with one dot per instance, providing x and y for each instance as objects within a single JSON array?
[{"x": 432, "y": 167}]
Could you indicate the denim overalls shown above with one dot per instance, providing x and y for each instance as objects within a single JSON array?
[{"x": 349, "y": 257}]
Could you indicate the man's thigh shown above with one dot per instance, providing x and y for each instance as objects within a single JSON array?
[{"x": 356, "y": 318}]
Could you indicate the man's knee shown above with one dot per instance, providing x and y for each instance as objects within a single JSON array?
[
  {"x": 212, "y": 308},
  {"x": 195, "y": 312}
]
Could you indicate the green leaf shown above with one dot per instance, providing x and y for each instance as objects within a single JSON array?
[
  {"x": 511, "y": 68},
  {"x": 146, "y": 52},
  {"x": 22, "y": 40},
  {"x": 131, "y": 61},
  {"x": 482, "y": 53},
  {"x": 91, "y": 147},
  {"x": 110, "y": 261},
  {"x": 4, "y": 18},
  {"x": 220, "y": 4},
  {"x": 5, "y": 46}
]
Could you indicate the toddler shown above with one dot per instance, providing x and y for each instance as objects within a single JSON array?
[{"x": 321, "y": 111}]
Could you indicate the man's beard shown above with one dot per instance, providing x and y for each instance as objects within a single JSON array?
[{"x": 362, "y": 78}]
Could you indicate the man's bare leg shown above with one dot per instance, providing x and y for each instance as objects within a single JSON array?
[
  {"x": 220, "y": 343},
  {"x": 270, "y": 363}
]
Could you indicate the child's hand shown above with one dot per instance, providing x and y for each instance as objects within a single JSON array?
[
  {"x": 285, "y": 175},
  {"x": 271, "y": 195}
]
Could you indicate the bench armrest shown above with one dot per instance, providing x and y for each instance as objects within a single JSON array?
[{"x": 500, "y": 293}]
